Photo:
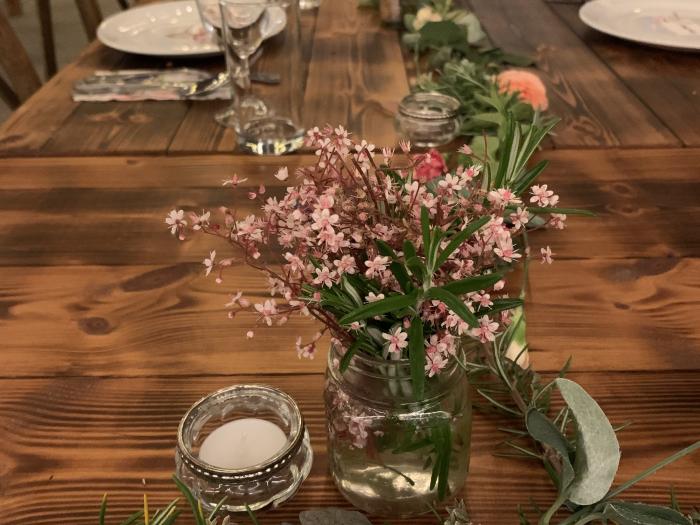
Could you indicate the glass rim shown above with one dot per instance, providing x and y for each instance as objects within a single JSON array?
[
  {"x": 263, "y": 469},
  {"x": 448, "y": 104}
]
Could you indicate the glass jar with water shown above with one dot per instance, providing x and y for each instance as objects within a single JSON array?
[{"x": 389, "y": 453}]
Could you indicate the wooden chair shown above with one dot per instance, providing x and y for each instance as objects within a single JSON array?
[
  {"x": 90, "y": 15},
  {"x": 22, "y": 79}
]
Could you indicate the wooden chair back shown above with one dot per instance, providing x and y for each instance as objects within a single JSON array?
[{"x": 20, "y": 78}]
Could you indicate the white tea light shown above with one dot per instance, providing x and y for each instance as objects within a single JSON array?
[{"x": 242, "y": 443}]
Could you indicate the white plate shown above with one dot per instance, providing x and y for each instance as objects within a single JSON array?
[
  {"x": 169, "y": 29},
  {"x": 665, "y": 23}
]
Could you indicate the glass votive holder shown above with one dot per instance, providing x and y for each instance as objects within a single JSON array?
[
  {"x": 428, "y": 119},
  {"x": 267, "y": 483}
]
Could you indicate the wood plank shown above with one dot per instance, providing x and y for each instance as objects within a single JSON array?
[
  {"x": 357, "y": 76},
  {"x": 662, "y": 79},
  {"x": 194, "y": 171},
  {"x": 144, "y": 320},
  {"x": 68, "y": 441},
  {"x": 116, "y": 127},
  {"x": 596, "y": 108},
  {"x": 27, "y": 130},
  {"x": 40, "y": 226}
]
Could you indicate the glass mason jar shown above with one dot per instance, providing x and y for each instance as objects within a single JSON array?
[
  {"x": 428, "y": 119},
  {"x": 260, "y": 486},
  {"x": 390, "y": 454}
]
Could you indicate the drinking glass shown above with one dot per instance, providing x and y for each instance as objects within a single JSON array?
[{"x": 265, "y": 120}]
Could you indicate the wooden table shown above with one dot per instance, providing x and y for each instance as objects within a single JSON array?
[{"x": 110, "y": 330}]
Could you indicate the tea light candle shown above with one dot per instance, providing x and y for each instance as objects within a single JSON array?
[{"x": 242, "y": 443}]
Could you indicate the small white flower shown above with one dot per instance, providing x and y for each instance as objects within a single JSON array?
[{"x": 209, "y": 262}]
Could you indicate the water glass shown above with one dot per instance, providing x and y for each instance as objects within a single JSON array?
[{"x": 266, "y": 118}]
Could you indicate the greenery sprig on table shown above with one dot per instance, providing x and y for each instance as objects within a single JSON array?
[{"x": 461, "y": 62}]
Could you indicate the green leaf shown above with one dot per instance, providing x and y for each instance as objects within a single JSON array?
[
  {"x": 347, "y": 357},
  {"x": 567, "y": 211},
  {"x": 484, "y": 145},
  {"x": 396, "y": 267},
  {"x": 597, "y": 448},
  {"x": 503, "y": 304},
  {"x": 443, "y": 33},
  {"x": 454, "y": 303},
  {"x": 472, "y": 284},
  {"x": 517, "y": 60},
  {"x": 194, "y": 504},
  {"x": 103, "y": 509},
  {"x": 624, "y": 513},
  {"x": 394, "y": 302},
  {"x": 459, "y": 238},
  {"x": 425, "y": 228},
  {"x": 409, "y": 250},
  {"x": 528, "y": 178},
  {"x": 417, "y": 268},
  {"x": 544, "y": 431},
  {"x": 350, "y": 290},
  {"x": 416, "y": 354}
]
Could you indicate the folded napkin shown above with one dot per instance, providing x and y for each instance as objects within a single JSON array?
[{"x": 145, "y": 84}]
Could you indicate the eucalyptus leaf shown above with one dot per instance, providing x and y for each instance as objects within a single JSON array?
[
  {"x": 624, "y": 513},
  {"x": 597, "y": 448},
  {"x": 544, "y": 431}
]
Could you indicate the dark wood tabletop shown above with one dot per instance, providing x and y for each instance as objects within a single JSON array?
[{"x": 110, "y": 330}]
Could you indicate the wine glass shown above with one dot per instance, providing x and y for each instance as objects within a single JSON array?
[{"x": 242, "y": 25}]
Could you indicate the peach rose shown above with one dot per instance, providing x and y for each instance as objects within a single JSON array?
[{"x": 529, "y": 87}]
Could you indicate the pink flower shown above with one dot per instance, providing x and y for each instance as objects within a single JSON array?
[
  {"x": 542, "y": 196},
  {"x": 250, "y": 334},
  {"x": 346, "y": 264},
  {"x": 176, "y": 223},
  {"x": 486, "y": 331},
  {"x": 377, "y": 265},
  {"x": 267, "y": 310},
  {"x": 324, "y": 276},
  {"x": 233, "y": 181},
  {"x": 546, "y": 255},
  {"x": 307, "y": 351},
  {"x": 434, "y": 363},
  {"x": 373, "y": 298},
  {"x": 465, "y": 150},
  {"x": 557, "y": 221},
  {"x": 529, "y": 87},
  {"x": 519, "y": 218},
  {"x": 282, "y": 173},
  {"x": 502, "y": 197},
  {"x": 357, "y": 426},
  {"x": 397, "y": 339},
  {"x": 432, "y": 166},
  {"x": 209, "y": 262},
  {"x": 505, "y": 250}
]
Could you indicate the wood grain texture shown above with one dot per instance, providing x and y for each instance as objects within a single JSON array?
[
  {"x": 619, "y": 315},
  {"x": 27, "y": 130},
  {"x": 40, "y": 226},
  {"x": 357, "y": 76},
  {"x": 68, "y": 441},
  {"x": 662, "y": 79},
  {"x": 596, "y": 108}
]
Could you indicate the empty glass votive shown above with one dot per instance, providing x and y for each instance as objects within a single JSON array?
[{"x": 428, "y": 119}]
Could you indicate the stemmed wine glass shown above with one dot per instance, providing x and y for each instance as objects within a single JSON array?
[
  {"x": 242, "y": 24},
  {"x": 250, "y": 12}
]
